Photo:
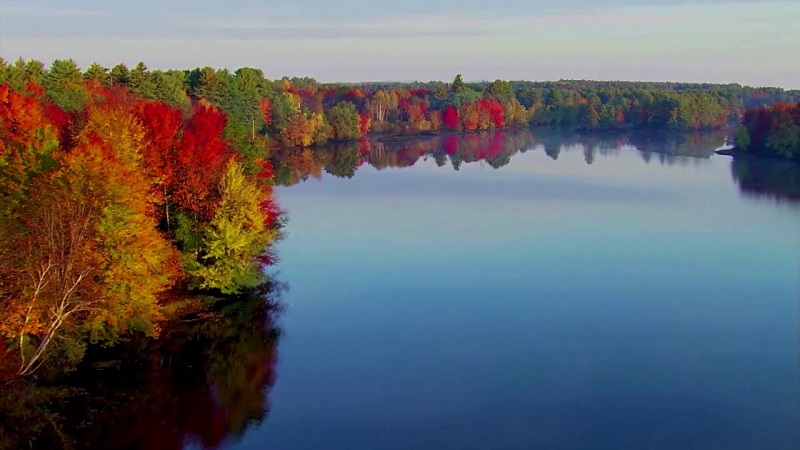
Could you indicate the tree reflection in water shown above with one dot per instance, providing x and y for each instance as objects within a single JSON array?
[
  {"x": 755, "y": 177},
  {"x": 496, "y": 149},
  {"x": 203, "y": 383},
  {"x": 765, "y": 178}
]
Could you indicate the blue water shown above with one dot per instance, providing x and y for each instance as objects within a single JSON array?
[{"x": 552, "y": 304}]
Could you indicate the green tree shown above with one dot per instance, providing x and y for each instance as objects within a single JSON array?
[
  {"x": 141, "y": 82},
  {"x": 249, "y": 85},
  {"x": 742, "y": 139},
  {"x": 343, "y": 118},
  {"x": 285, "y": 107},
  {"x": 13, "y": 74},
  {"x": 250, "y": 146},
  {"x": 97, "y": 73},
  {"x": 784, "y": 139},
  {"x": 34, "y": 71},
  {"x": 208, "y": 83},
  {"x": 501, "y": 90},
  {"x": 169, "y": 88},
  {"x": 120, "y": 74},
  {"x": 466, "y": 95},
  {"x": 64, "y": 85},
  {"x": 235, "y": 238},
  {"x": 458, "y": 84}
]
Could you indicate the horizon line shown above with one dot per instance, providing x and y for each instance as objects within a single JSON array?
[{"x": 409, "y": 81}]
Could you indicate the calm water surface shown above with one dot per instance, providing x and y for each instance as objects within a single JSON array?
[{"x": 584, "y": 293}]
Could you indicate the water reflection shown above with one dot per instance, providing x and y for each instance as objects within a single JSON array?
[
  {"x": 755, "y": 178},
  {"x": 494, "y": 148},
  {"x": 204, "y": 383},
  {"x": 551, "y": 304},
  {"x": 777, "y": 180}
]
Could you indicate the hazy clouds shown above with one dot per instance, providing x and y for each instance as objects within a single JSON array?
[{"x": 734, "y": 41}]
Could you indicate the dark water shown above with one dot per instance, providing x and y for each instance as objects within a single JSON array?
[
  {"x": 555, "y": 291},
  {"x": 203, "y": 383}
]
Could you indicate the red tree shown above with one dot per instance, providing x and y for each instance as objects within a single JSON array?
[
  {"x": 162, "y": 123},
  {"x": 450, "y": 117},
  {"x": 497, "y": 113},
  {"x": 201, "y": 156},
  {"x": 364, "y": 123},
  {"x": 23, "y": 148},
  {"x": 266, "y": 110}
]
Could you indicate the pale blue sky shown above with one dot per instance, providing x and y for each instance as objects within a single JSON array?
[{"x": 750, "y": 42}]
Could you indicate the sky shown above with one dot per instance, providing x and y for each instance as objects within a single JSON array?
[{"x": 749, "y": 42}]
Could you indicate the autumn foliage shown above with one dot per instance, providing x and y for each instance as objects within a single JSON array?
[
  {"x": 105, "y": 208},
  {"x": 301, "y": 111},
  {"x": 26, "y": 141},
  {"x": 771, "y": 131},
  {"x": 450, "y": 117},
  {"x": 200, "y": 158}
]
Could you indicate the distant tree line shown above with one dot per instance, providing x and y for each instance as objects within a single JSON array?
[
  {"x": 771, "y": 131},
  {"x": 304, "y": 112}
]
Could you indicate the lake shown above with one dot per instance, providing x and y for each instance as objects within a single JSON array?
[
  {"x": 623, "y": 295},
  {"x": 509, "y": 290}
]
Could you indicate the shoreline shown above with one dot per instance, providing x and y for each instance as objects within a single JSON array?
[
  {"x": 738, "y": 154},
  {"x": 402, "y": 136}
]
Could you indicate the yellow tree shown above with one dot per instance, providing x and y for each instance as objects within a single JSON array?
[
  {"x": 86, "y": 258},
  {"x": 515, "y": 112},
  {"x": 304, "y": 130},
  {"x": 236, "y": 236},
  {"x": 138, "y": 261}
]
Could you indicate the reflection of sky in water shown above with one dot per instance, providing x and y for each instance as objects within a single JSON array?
[{"x": 548, "y": 304}]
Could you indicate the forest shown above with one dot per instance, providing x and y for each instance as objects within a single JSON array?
[
  {"x": 112, "y": 208},
  {"x": 303, "y": 112},
  {"x": 772, "y": 131}
]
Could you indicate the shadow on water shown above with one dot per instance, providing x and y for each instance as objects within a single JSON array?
[
  {"x": 770, "y": 179},
  {"x": 203, "y": 383},
  {"x": 496, "y": 149}
]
